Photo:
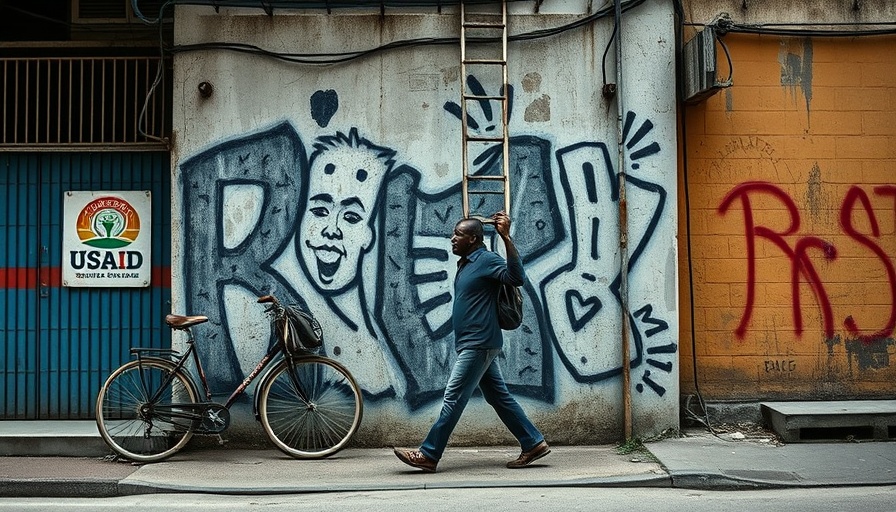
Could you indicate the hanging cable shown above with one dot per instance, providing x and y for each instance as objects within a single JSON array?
[
  {"x": 337, "y": 58},
  {"x": 748, "y": 29},
  {"x": 728, "y": 81},
  {"x": 603, "y": 61},
  {"x": 160, "y": 75},
  {"x": 723, "y": 24},
  {"x": 679, "y": 9}
]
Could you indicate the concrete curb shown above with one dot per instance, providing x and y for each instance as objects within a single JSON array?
[
  {"x": 74, "y": 488},
  {"x": 717, "y": 482},
  {"x": 62, "y": 446},
  {"x": 721, "y": 482},
  {"x": 59, "y": 488},
  {"x": 132, "y": 488},
  {"x": 108, "y": 488}
]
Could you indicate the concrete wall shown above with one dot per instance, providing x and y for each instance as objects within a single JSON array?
[
  {"x": 792, "y": 193},
  {"x": 263, "y": 167}
]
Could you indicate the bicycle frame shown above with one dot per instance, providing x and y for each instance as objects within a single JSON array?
[
  {"x": 308, "y": 405},
  {"x": 191, "y": 352}
]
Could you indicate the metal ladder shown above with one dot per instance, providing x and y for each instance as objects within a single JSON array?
[{"x": 483, "y": 25}]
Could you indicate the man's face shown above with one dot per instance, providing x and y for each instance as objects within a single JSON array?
[
  {"x": 335, "y": 231},
  {"x": 463, "y": 241}
]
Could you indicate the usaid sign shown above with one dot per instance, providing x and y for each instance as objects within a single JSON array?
[{"x": 106, "y": 239}]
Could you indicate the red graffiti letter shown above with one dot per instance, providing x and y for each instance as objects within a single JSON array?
[
  {"x": 751, "y": 231},
  {"x": 804, "y": 265},
  {"x": 854, "y": 195},
  {"x": 799, "y": 259}
]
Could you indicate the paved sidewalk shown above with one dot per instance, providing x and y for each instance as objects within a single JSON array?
[
  {"x": 701, "y": 460},
  {"x": 237, "y": 471},
  {"x": 697, "y": 461}
]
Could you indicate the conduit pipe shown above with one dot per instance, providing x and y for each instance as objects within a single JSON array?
[{"x": 623, "y": 233}]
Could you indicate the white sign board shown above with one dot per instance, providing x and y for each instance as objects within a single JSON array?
[{"x": 106, "y": 239}]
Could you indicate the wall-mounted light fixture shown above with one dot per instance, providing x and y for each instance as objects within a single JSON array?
[{"x": 205, "y": 89}]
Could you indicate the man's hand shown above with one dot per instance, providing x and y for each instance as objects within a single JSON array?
[{"x": 502, "y": 224}]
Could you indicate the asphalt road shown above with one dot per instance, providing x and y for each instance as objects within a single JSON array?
[{"x": 838, "y": 499}]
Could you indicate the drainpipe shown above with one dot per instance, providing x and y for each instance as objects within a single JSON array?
[{"x": 623, "y": 233}]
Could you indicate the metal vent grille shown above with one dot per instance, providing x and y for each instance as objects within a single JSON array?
[
  {"x": 94, "y": 101},
  {"x": 116, "y": 11}
]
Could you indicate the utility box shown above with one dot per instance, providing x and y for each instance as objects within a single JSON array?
[{"x": 700, "y": 71}]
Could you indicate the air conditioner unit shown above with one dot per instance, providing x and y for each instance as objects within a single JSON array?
[
  {"x": 98, "y": 12},
  {"x": 700, "y": 73}
]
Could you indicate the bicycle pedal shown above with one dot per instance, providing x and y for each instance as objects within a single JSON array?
[{"x": 221, "y": 440}]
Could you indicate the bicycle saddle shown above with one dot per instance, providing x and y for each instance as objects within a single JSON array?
[{"x": 182, "y": 322}]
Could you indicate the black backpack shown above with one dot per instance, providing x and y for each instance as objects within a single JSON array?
[
  {"x": 303, "y": 332},
  {"x": 510, "y": 307}
]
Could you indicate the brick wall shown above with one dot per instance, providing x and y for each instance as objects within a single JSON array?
[{"x": 792, "y": 192}]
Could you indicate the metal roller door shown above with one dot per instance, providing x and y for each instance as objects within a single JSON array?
[{"x": 60, "y": 343}]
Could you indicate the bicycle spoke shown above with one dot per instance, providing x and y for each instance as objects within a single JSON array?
[
  {"x": 139, "y": 427},
  {"x": 311, "y": 407}
]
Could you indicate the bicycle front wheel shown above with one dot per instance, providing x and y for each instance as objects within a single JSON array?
[
  {"x": 144, "y": 415},
  {"x": 310, "y": 407}
]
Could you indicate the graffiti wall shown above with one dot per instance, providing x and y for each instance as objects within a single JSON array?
[
  {"x": 792, "y": 223},
  {"x": 337, "y": 188}
]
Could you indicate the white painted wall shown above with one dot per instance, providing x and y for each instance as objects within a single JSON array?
[{"x": 244, "y": 169}]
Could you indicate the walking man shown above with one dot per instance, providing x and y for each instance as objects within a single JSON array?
[{"x": 478, "y": 341}]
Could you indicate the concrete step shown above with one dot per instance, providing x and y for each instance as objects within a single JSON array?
[
  {"x": 68, "y": 438},
  {"x": 800, "y": 422}
]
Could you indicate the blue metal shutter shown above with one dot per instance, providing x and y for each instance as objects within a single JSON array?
[{"x": 61, "y": 343}]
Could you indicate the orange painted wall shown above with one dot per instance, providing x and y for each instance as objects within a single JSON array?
[{"x": 804, "y": 144}]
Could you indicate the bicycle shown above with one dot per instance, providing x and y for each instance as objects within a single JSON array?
[{"x": 309, "y": 405}]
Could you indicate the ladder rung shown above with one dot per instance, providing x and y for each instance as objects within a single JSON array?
[
  {"x": 474, "y": 97},
  {"x": 484, "y": 220},
  {"x": 479, "y": 138},
  {"x": 482, "y": 24},
  {"x": 481, "y": 177},
  {"x": 486, "y": 61},
  {"x": 480, "y": 27}
]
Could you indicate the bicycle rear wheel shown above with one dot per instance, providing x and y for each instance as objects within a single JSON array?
[
  {"x": 310, "y": 407},
  {"x": 141, "y": 416}
]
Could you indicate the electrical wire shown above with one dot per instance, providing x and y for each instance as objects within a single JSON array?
[
  {"x": 337, "y": 58},
  {"x": 160, "y": 74},
  {"x": 767, "y": 30},
  {"x": 603, "y": 60},
  {"x": 723, "y": 25},
  {"x": 728, "y": 81},
  {"x": 687, "y": 218}
]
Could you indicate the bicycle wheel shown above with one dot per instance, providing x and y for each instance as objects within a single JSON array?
[
  {"x": 310, "y": 407},
  {"x": 140, "y": 419}
]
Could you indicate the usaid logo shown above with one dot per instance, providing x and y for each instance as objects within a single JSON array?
[
  {"x": 102, "y": 239},
  {"x": 108, "y": 223}
]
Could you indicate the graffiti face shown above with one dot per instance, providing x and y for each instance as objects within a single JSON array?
[
  {"x": 335, "y": 232},
  {"x": 336, "y": 228},
  {"x": 328, "y": 224},
  {"x": 358, "y": 209}
]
